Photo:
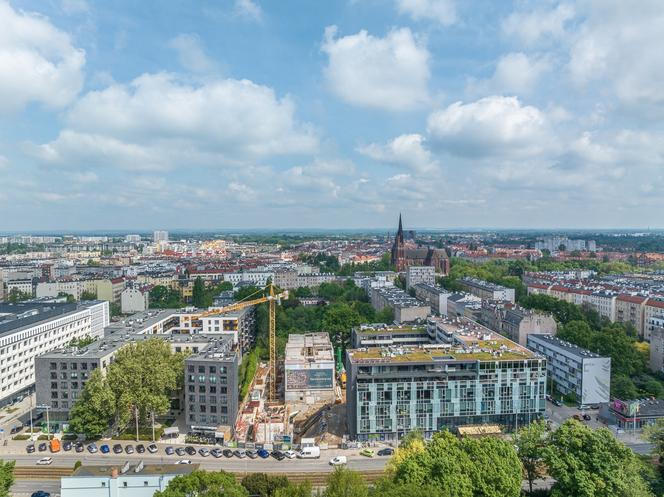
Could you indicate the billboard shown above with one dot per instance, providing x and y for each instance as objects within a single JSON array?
[{"x": 309, "y": 379}]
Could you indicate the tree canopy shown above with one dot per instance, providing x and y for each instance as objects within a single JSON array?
[
  {"x": 204, "y": 484},
  {"x": 94, "y": 411},
  {"x": 6, "y": 477}
]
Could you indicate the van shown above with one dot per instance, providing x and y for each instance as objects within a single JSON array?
[
  {"x": 309, "y": 453},
  {"x": 55, "y": 445}
]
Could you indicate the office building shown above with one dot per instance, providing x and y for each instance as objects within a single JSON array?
[
  {"x": 487, "y": 291},
  {"x": 309, "y": 369},
  {"x": 420, "y": 274},
  {"x": 160, "y": 236},
  {"x": 435, "y": 296},
  {"x": 406, "y": 308},
  {"x": 573, "y": 369},
  {"x": 384, "y": 335},
  {"x": 134, "y": 238},
  {"x": 474, "y": 376},
  {"x": 28, "y": 330}
]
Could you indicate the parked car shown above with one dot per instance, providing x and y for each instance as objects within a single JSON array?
[
  {"x": 152, "y": 448},
  {"x": 557, "y": 402},
  {"x": 104, "y": 449},
  {"x": 45, "y": 461},
  {"x": 216, "y": 453},
  {"x": 278, "y": 455},
  {"x": 190, "y": 450},
  {"x": 227, "y": 453},
  {"x": 79, "y": 447},
  {"x": 586, "y": 417},
  {"x": 290, "y": 454},
  {"x": 66, "y": 445},
  {"x": 263, "y": 454},
  {"x": 367, "y": 453},
  {"x": 252, "y": 454},
  {"x": 40, "y": 493},
  {"x": 117, "y": 449},
  {"x": 42, "y": 447},
  {"x": 15, "y": 429},
  {"x": 170, "y": 451},
  {"x": 92, "y": 448},
  {"x": 129, "y": 449},
  {"x": 30, "y": 448},
  {"x": 387, "y": 451},
  {"x": 183, "y": 461},
  {"x": 204, "y": 451},
  {"x": 240, "y": 453},
  {"x": 140, "y": 448},
  {"x": 338, "y": 461},
  {"x": 180, "y": 451}
]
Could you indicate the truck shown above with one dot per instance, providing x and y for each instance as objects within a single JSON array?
[{"x": 309, "y": 453}]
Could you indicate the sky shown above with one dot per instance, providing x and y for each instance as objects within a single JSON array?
[{"x": 331, "y": 114}]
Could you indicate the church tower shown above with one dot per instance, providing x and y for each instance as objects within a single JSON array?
[{"x": 398, "y": 258}]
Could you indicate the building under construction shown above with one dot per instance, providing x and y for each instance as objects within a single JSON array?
[{"x": 309, "y": 369}]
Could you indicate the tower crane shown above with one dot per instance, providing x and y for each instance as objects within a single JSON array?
[{"x": 271, "y": 298}]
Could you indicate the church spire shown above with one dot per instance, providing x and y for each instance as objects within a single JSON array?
[{"x": 400, "y": 230}]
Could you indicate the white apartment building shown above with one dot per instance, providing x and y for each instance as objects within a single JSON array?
[
  {"x": 604, "y": 303},
  {"x": 257, "y": 278},
  {"x": 28, "y": 330},
  {"x": 160, "y": 236},
  {"x": 134, "y": 300},
  {"x": 420, "y": 274}
]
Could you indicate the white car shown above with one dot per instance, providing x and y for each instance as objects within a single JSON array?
[
  {"x": 152, "y": 448},
  {"x": 338, "y": 460},
  {"x": 45, "y": 461},
  {"x": 290, "y": 454},
  {"x": 183, "y": 461}
]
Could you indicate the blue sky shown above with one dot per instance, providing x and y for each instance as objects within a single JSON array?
[{"x": 249, "y": 113}]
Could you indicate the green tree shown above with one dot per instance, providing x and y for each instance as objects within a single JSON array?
[
  {"x": 294, "y": 490},
  {"x": 338, "y": 321},
  {"x": 70, "y": 298},
  {"x": 6, "y": 477},
  {"x": 82, "y": 342},
  {"x": 16, "y": 295},
  {"x": 592, "y": 463},
  {"x": 114, "y": 309},
  {"x": 204, "y": 484},
  {"x": 388, "y": 488},
  {"x": 264, "y": 485},
  {"x": 530, "y": 442},
  {"x": 93, "y": 412},
  {"x": 496, "y": 471},
  {"x": 655, "y": 435},
  {"x": 200, "y": 298},
  {"x": 86, "y": 295},
  {"x": 344, "y": 482},
  {"x": 385, "y": 315}
]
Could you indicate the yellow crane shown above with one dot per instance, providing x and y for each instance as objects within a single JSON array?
[{"x": 271, "y": 298}]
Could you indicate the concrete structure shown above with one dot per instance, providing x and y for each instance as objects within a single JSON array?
[
  {"x": 132, "y": 238},
  {"x": 574, "y": 369},
  {"x": 420, "y": 274},
  {"x": 604, "y": 302},
  {"x": 435, "y": 296},
  {"x": 652, "y": 311},
  {"x": 554, "y": 243},
  {"x": 384, "y": 335},
  {"x": 240, "y": 325},
  {"x": 474, "y": 376},
  {"x": 139, "y": 480},
  {"x": 516, "y": 323},
  {"x": 487, "y": 291},
  {"x": 457, "y": 303},
  {"x": 378, "y": 279},
  {"x": 211, "y": 388},
  {"x": 160, "y": 236},
  {"x": 406, "y": 308},
  {"x": 656, "y": 327},
  {"x": 134, "y": 300},
  {"x": 292, "y": 278},
  {"x": 256, "y": 278},
  {"x": 309, "y": 369},
  {"x": 631, "y": 309}
]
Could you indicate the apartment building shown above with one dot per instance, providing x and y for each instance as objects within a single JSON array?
[
  {"x": 573, "y": 369},
  {"x": 134, "y": 300},
  {"x": 28, "y": 330},
  {"x": 652, "y": 310},
  {"x": 435, "y": 296},
  {"x": 518, "y": 323},
  {"x": 487, "y": 291},
  {"x": 420, "y": 274},
  {"x": 256, "y": 278},
  {"x": 406, "y": 308},
  {"x": 474, "y": 377},
  {"x": 239, "y": 325},
  {"x": 631, "y": 309},
  {"x": 386, "y": 335},
  {"x": 604, "y": 302}
]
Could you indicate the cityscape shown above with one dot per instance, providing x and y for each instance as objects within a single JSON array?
[{"x": 363, "y": 248}]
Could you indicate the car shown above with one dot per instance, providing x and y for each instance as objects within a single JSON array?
[
  {"x": 227, "y": 453},
  {"x": 140, "y": 448},
  {"x": 338, "y": 461},
  {"x": 594, "y": 407},
  {"x": 557, "y": 402},
  {"x": 92, "y": 448},
  {"x": 67, "y": 445},
  {"x": 40, "y": 493},
  {"x": 586, "y": 417},
  {"x": 216, "y": 453},
  {"x": 45, "y": 461},
  {"x": 278, "y": 455},
  {"x": 183, "y": 461},
  {"x": 240, "y": 453},
  {"x": 42, "y": 447},
  {"x": 190, "y": 450},
  {"x": 204, "y": 451},
  {"x": 129, "y": 449},
  {"x": 548, "y": 397},
  {"x": 290, "y": 454},
  {"x": 30, "y": 448},
  {"x": 15, "y": 429},
  {"x": 252, "y": 454},
  {"x": 367, "y": 453},
  {"x": 170, "y": 451},
  {"x": 387, "y": 451},
  {"x": 263, "y": 454},
  {"x": 152, "y": 448},
  {"x": 104, "y": 449},
  {"x": 180, "y": 451},
  {"x": 79, "y": 447},
  {"x": 117, "y": 449},
  {"x": 577, "y": 417}
]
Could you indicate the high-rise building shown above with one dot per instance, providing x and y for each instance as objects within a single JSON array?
[
  {"x": 160, "y": 236},
  {"x": 135, "y": 238}
]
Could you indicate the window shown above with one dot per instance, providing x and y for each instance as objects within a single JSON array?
[
  {"x": 213, "y": 369},
  {"x": 201, "y": 369}
]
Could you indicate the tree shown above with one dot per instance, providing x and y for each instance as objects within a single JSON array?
[
  {"x": 655, "y": 435},
  {"x": 16, "y": 295},
  {"x": 387, "y": 488},
  {"x": 93, "y": 412},
  {"x": 344, "y": 482},
  {"x": 114, "y": 309},
  {"x": 86, "y": 295},
  {"x": 199, "y": 296},
  {"x": 385, "y": 315},
  {"x": 338, "y": 321},
  {"x": 496, "y": 471},
  {"x": 70, "y": 298},
  {"x": 6, "y": 477},
  {"x": 82, "y": 342},
  {"x": 264, "y": 485},
  {"x": 592, "y": 463},
  {"x": 530, "y": 442},
  {"x": 294, "y": 490},
  {"x": 204, "y": 484}
]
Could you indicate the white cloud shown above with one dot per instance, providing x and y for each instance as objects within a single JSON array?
[
  {"x": 532, "y": 27},
  {"x": 248, "y": 9},
  {"x": 191, "y": 54},
  {"x": 38, "y": 62},
  {"x": 515, "y": 73},
  {"x": 404, "y": 150},
  {"x": 71, "y": 7},
  {"x": 386, "y": 73},
  {"x": 158, "y": 122},
  {"x": 442, "y": 11},
  {"x": 493, "y": 125}
]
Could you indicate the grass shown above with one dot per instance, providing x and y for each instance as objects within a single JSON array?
[{"x": 144, "y": 434}]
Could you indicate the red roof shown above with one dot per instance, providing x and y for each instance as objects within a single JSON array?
[
  {"x": 634, "y": 299},
  {"x": 656, "y": 303}
]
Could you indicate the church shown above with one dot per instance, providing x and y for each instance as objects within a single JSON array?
[{"x": 408, "y": 254}]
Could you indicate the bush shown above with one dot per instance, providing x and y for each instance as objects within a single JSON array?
[
  {"x": 144, "y": 434},
  {"x": 77, "y": 465},
  {"x": 22, "y": 436},
  {"x": 70, "y": 436},
  {"x": 44, "y": 437}
]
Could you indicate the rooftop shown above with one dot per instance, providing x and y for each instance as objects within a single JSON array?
[
  {"x": 20, "y": 316},
  {"x": 309, "y": 347},
  {"x": 389, "y": 328},
  {"x": 141, "y": 321},
  {"x": 567, "y": 346}
]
